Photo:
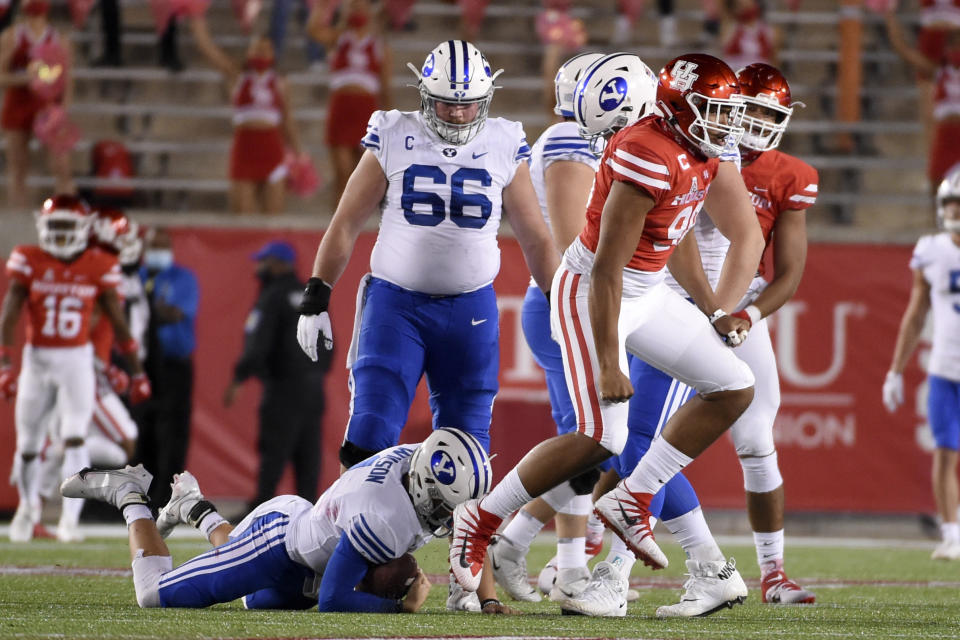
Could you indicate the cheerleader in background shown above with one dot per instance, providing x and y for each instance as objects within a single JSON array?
[
  {"x": 21, "y": 104},
  {"x": 262, "y": 122},
  {"x": 359, "y": 78}
]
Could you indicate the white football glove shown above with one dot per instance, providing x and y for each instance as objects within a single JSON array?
[
  {"x": 893, "y": 391},
  {"x": 311, "y": 330}
]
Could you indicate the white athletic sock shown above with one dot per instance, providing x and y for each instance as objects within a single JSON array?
[
  {"x": 133, "y": 512},
  {"x": 210, "y": 522},
  {"x": 74, "y": 459},
  {"x": 657, "y": 466},
  {"x": 522, "y": 530},
  {"x": 571, "y": 553},
  {"x": 693, "y": 534},
  {"x": 621, "y": 557},
  {"x": 28, "y": 484},
  {"x": 950, "y": 531},
  {"x": 769, "y": 550},
  {"x": 506, "y": 497}
]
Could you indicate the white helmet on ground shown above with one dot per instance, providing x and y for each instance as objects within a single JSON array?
[
  {"x": 948, "y": 191},
  {"x": 455, "y": 72},
  {"x": 448, "y": 468},
  {"x": 565, "y": 83},
  {"x": 613, "y": 92}
]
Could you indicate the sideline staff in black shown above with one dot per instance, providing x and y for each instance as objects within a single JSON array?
[{"x": 291, "y": 409}]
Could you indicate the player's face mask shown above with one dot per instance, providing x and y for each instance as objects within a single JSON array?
[{"x": 951, "y": 216}]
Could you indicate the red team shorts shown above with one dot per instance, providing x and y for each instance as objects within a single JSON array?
[
  {"x": 944, "y": 150},
  {"x": 20, "y": 107},
  {"x": 256, "y": 153},
  {"x": 347, "y": 117}
]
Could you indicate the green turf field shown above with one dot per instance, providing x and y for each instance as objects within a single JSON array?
[{"x": 84, "y": 591}]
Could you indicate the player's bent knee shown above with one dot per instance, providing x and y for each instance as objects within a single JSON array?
[
  {"x": 146, "y": 578},
  {"x": 351, "y": 454},
  {"x": 581, "y": 505},
  {"x": 761, "y": 474}
]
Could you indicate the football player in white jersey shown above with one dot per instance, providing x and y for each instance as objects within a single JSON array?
[
  {"x": 287, "y": 553},
  {"x": 936, "y": 285},
  {"x": 441, "y": 178}
]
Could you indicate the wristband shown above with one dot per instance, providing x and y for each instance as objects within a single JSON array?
[
  {"x": 316, "y": 297},
  {"x": 128, "y": 346},
  {"x": 483, "y": 604},
  {"x": 716, "y": 315},
  {"x": 754, "y": 313}
]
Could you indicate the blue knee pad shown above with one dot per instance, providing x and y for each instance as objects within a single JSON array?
[
  {"x": 249, "y": 563},
  {"x": 943, "y": 411},
  {"x": 535, "y": 320}
]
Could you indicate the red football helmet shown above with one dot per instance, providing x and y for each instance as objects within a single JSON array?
[
  {"x": 700, "y": 98},
  {"x": 768, "y": 106},
  {"x": 63, "y": 225},
  {"x": 118, "y": 233}
]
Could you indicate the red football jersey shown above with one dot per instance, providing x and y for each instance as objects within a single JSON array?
[
  {"x": 648, "y": 156},
  {"x": 778, "y": 182},
  {"x": 946, "y": 94},
  {"x": 62, "y": 294},
  {"x": 939, "y": 12},
  {"x": 24, "y": 42}
]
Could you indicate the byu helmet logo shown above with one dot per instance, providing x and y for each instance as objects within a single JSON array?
[
  {"x": 444, "y": 470},
  {"x": 683, "y": 75},
  {"x": 428, "y": 66},
  {"x": 613, "y": 93}
]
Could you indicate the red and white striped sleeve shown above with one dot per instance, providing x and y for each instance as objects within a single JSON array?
[
  {"x": 18, "y": 266},
  {"x": 642, "y": 167},
  {"x": 802, "y": 193}
]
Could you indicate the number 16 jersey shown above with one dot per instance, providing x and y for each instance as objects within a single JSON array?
[
  {"x": 442, "y": 209},
  {"x": 61, "y": 295}
]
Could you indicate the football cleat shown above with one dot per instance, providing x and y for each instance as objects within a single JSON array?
[
  {"x": 711, "y": 587},
  {"x": 569, "y": 583},
  {"x": 509, "y": 564},
  {"x": 605, "y": 595},
  {"x": 21, "y": 527},
  {"x": 119, "y": 487},
  {"x": 777, "y": 588},
  {"x": 946, "y": 550},
  {"x": 548, "y": 575},
  {"x": 459, "y": 599},
  {"x": 472, "y": 529},
  {"x": 184, "y": 495},
  {"x": 627, "y": 514}
]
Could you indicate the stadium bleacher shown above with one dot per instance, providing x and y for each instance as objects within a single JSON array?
[{"x": 177, "y": 125}]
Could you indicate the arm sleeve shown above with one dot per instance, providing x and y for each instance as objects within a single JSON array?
[
  {"x": 344, "y": 571},
  {"x": 639, "y": 165},
  {"x": 258, "y": 336},
  {"x": 18, "y": 267},
  {"x": 921, "y": 253},
  {"x": 111, "y": 276},
  {"x": 569, "y": 149},
  {"x": 802, "y": 194},
  {"x": 187, "y": 294},
  {"x": 373, "y": 538},
  {"x": 373, "y": 140}
]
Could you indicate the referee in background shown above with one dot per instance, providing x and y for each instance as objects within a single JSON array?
[{"x": 291, "y": 408}]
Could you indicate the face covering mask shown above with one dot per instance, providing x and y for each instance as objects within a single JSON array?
[
  {"x": 357, "y": 20},
  {"x": 748, "y": 15},
  {"x": 35, "y": 9},
  {"x": 158, "y": 259},
  {"x": 953, "y": 226},
  {"x": 259, "y": 64}
]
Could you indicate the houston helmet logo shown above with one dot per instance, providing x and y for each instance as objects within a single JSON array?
[{"x": 683, "y": 76}]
